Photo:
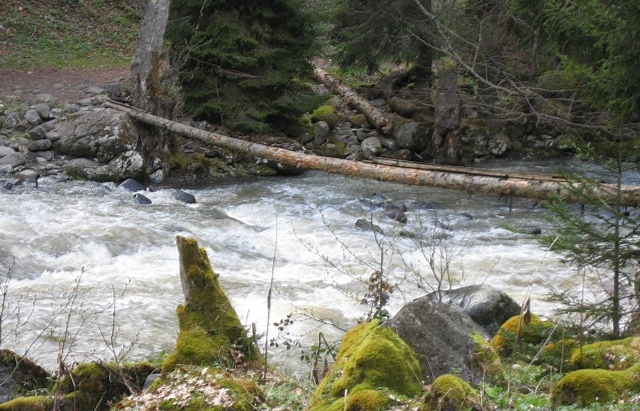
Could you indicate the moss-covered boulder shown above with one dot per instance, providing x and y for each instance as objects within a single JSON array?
[
  {"x": 609, "y": 355},
  {"x": 589, "y": 386},
  {"x": 451, "y": 393},
  {"x": 210, "y": 331},
  {"x": 94, "y": 386},
  {"x": 189, "y": 387},
  {"x": 20, "y": 375},
  {"x": 522, "y": 335},
  {"x": 38, "y": 403},
  {"x": 326, "y": 113},
  {"x": 373, "y": 366}
]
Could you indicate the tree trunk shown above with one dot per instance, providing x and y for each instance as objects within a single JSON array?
[
  {"x": 539, "y": 187},
  {"x": 446, "y": 136},
  {"x": 145, "y": 76},
  {"x": 375, "y": 117}
]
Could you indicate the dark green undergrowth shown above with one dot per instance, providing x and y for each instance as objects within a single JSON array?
[{"x": 68, "y": 33}]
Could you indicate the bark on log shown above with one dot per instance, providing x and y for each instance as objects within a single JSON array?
[
  {"x": 455, "y": 178},
  {"x": 375, "y": 117}
]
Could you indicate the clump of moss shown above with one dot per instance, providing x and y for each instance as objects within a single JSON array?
[
  {"x": 610, "y": 355},
  {"x": 589, "y": 386},
  {"x": 210, "y": 331},
  {"x": 524, "y": 337},
  {"x": 486, "y": 358},
  {"x": 450, "y": 392},
  {"x": 93, "y": 386},
  {"x": 39, "y": 403},
  {"x": 28, "y": 375},
  {"x": 373, "y": 365},
  {"x": 325, "y": 113}
]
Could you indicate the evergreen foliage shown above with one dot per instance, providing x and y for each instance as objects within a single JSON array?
[
  {"x": 241, "y": 63},
  {"x": 598, "y": 42},
  {"x": 368, "y": 33}
]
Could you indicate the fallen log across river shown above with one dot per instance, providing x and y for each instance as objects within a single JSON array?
[{"x": 505, "y": 183}]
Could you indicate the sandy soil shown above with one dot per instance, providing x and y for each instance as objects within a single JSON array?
[{"x": 67, "y": 85}]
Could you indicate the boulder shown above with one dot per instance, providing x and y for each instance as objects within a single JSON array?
[
  {"x": 371, "y": 147},
  {"x": 412, "y": 135},
  {"x": 590, "y": 386},
  {"x": 101, "y": 134},
  {"x": 450, "y": 392},
  {"x": 486, "y": 305},
  {"x": 446, "y": 340},
  {"x": 19, "y": 374},
  {"x": 373, "y": 366}
]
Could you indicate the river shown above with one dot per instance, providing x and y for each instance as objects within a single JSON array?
[{"x": 91, "y": 274}]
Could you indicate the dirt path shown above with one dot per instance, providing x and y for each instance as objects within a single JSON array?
[{"x": 67, "y": 85}]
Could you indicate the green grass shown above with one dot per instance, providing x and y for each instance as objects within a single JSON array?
[{"x": 68, "y": 33}]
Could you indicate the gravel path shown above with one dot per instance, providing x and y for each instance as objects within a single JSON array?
[{"x": 67, "y": 85}]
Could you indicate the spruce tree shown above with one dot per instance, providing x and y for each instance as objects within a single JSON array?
[{"x": 241, "y": 62}]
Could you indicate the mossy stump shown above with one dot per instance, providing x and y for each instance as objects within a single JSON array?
[
  {"x": 210, "y": 332},
  {"x": 373, "y": 366}
]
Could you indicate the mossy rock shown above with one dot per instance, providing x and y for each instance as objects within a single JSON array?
[
  {"x": 608, "y": 355},
  {"x": 38, "y": 403},
  {"x": 210, "y": 331},
  {"x": 326, "y": 113},
  {"x": 203, "y": 389},
  {"x": 21, "y": 372},
  {"x": 487, "y": 359},
  {"x": 589, "y": 386},
  {"x": 451, "y": 393},
  {"x": 519, "y": 336},
  {"x": 93, "y": 386},
  {"x": 373, "y": 366}
]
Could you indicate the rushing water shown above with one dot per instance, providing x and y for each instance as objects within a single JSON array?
[{"x": 91, "y": 274}]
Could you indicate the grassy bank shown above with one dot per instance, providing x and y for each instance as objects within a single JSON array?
[{"x": 68, "y": 33}]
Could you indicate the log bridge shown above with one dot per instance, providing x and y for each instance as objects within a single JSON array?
[{"x": 535, "y": 186}]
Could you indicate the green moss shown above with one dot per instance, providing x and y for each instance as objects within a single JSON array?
[
  {"x": 40, "y": 403},
  {"x": 487, "y": 359},
  {"x": 325, "y": 113},
  {"x": 517, "y": 336},
  {"x": 28, "y": 375},
  {"x": 610, "y": 355},
  {"x": 585, "y": 387},
  {"x": 210, "y": 331},
  {"x": 373, "y": 363},
  {"x": 92, "y": 386},
  {"x": 450, "y": 392}
]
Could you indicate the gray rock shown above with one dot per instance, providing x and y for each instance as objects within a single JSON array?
[
  {"x": 52, "y": 135},
  {"x": 32, "y": 116},
  {"x": 371, "y": 147},
  {"x": 37, "y": 133},
  {"x": 39, "y": 145},
  {"x": 441, "y": 336},
  {"x": 366, "y": 225},
  {"x": 14, "y": 159},
  {"x": 412, "y": 135},
  {"x": 43, "y": 110},
  {"x": 486, "y": 305},
  {"x": 184, "y": 197},
  {"x": 51, "y": 124},
  {"x": 132, "y": 185},
  {"x": 141, "y": 199},
  {"x": 4, "y": 151},
  {"x": 12, "y": 118},
  {"x": 321, "y": 131}
]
